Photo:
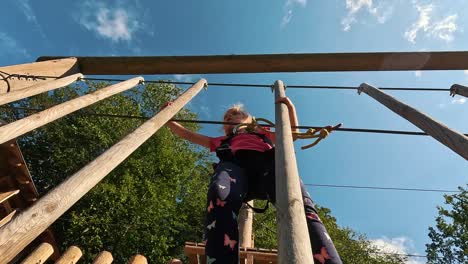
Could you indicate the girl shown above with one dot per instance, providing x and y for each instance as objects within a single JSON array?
[{"x": 247, "y": 171}]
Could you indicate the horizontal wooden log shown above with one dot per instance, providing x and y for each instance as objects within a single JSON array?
[
  {"x": 318, "y": 62},
  {"x": 71, "y": 256},
  {"x": 34, "y": 121},
  {"x": 7, "y": 195},
  {"x": 30, "y": 223},
  {"x": 104, "y": 257},
  {"x": 40, "y": 254},
  {"x": 138, "y": 259},
  {"x": 456, "y": 141},
  {"x": 459, "y": 89},
  {"x": 270, "y": 256},
  {"x": 38, "y": 88},
  {"x": 54, "y": 68}
]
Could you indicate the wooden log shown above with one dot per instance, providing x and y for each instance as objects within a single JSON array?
[
  {"x": 38, "y": 88},
  {"x": 58, "y": 68},
  {"x": 245, "y": 222},
  {"x": 175, "y": 261},
  {"x": 105, "y": 257},
  {"x": 40, "y": 254},
  {"x": 31, "y": 222},
  {"x": 7, "y": 218},
  {"x": 260, "y": 256},
  {"x": 34, "y": 121},
  {"x": 459, "y": 89},
  {"x": 293, "y": 236},
  {"x": 449, "y": 137},
  {"x": 7, "y": 195},
  {"x": 138, "y": 259},
  {"x": 318, "y": 62},
  {"x": 71, "y": 256}
]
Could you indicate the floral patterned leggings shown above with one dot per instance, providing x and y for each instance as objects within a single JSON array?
[{"x": 251, "y": 177}]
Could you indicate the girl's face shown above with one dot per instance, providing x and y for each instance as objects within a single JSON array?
[{"x": 233, "y": 117}]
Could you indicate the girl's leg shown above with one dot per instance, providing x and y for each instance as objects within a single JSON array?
[
  {"x": 225, "y": 194},
  {"x": 323, "y": 249}
]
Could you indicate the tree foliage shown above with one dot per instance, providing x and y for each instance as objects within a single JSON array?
[
  {"x": 450, "y": 235},
  {"x": 150, "y": 204}
]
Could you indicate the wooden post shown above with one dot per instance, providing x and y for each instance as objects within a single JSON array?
[
  {"x": 54, "y": 68},
  {"x": 71, "y": 256},
  {"x": 15, "y": 235},
  {"x": 459, "y": 89},
  {"x": 245, "y": 222},
  {"x": 293, "y": 236},
  {"x": 138, "y": 259},
  {"x": 38, "y": 88},
  {"x": 105, "y": 257},
  {"x": 34, "y": 121},
  {"x": 450, "y": 138},
  {"x": 40, "y": 254}
]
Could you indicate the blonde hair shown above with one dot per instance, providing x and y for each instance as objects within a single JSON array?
[{"x": 237, "y": 109}]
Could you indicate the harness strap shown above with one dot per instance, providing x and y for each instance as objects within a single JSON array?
[{"x": 259, "y": 210}]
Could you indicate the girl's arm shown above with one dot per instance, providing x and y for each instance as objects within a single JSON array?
[
  {"x": 292, "y": 116},
  {"x": 191, "y": 136}
]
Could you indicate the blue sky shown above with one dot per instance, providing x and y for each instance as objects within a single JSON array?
[{"x": 29, "y": 29}]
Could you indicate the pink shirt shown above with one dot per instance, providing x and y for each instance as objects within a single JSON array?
[{"x": 243, "y": 141}]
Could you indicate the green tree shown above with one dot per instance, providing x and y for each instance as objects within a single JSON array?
[
  {"x": 450, "y": 235},
  {"x": 150, "y": 204}
]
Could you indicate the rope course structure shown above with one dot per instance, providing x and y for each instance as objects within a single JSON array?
[{"x": 49, "y": 73}]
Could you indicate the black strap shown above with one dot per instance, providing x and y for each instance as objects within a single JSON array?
[{"x": 259, "y": 210}]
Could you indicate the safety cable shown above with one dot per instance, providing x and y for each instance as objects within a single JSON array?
[
  {"x": 34, "y": 77},
  {"x": 361, "y": 130}
]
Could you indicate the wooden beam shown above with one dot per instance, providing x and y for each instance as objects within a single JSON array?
[
  {"x": 71, "y": 256},
  {"x": 30, "y": 223},
  {"x": 449, "y": 137},
  {"x": 269, "y": 256},
  {"x": 245, "y": 222},
  {"x": 459, "y": 89},
  {"x": 311, "y": 62},
  {"x": 293, "y": 236},
  {"x": 17, "y": 80},
  {"x": 40, "y": 254},
  {"x": 7, "y": 195},
  {"x": 105, "y": 257},
  {"x": 34, "y": 121},
  {"x": 38, "y": 88},
  {"x": 7, "y": 218}
]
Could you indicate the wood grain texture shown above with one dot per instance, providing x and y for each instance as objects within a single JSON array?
[
  {"x": 40, "y": 254},
  {"x": 34, "y": 121},
  {"x": 105, "y": 257},
  {"x": 293, "y": 236},
  {"x": 7, "y": 218},
  {"x": 138, "y": 259},
  {"x": 30, "y": 223},
  {"x": 454, "y": 140},
  {"x": 311, "y": 62},
  {"x": 71, "y": 256},
  {"x": 459, "y": 89},
  {"x": 58, "y": 68},
  {"x": 38, "y": 88},
  {"x": 245, "y": 222}
]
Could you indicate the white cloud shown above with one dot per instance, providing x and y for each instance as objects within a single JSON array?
[
  {"x": 465, "y": 72},
  {"x": 418, "y": 73},
  {"x": 290, "y": 4},
  {"x": 381, "y": 11},
  {"x": 25, "y": 7},
  {"x": 113, "y": 23},
  {"x": 398, "y": 245},
  {"x": 459, "y": 101},
  {"x": 184, "y": 77},
  {"x": 442, "y": 29},
  {"x": 9, "y": 46}
]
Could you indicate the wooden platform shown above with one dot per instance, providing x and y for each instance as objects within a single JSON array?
[{"x": 196, "y": 254}]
